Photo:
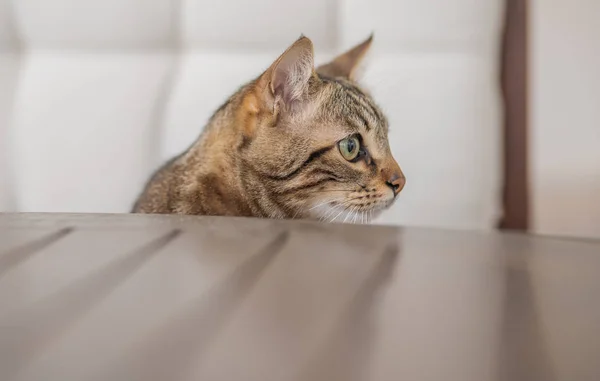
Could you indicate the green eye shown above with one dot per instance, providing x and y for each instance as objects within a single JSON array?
[{"x": 349, "y": 148}]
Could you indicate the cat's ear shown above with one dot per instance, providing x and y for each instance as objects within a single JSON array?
[
  {"x": 289, "y": 76},
  {"x": 346, "y": 65}
]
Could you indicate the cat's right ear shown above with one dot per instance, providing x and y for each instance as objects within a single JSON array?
[
  {"x": 347, "y": 64},
  {"x": 287, "y": 80}
]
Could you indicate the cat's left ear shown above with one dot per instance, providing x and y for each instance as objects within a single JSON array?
[
  {"x": 347, "y": 64},
  {"x": 289, "y": 76}
]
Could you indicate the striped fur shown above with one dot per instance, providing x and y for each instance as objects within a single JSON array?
[{"x": 272, "y": 149}]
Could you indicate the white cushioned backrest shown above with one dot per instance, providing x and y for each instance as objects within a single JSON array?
[
  {"x": 85, "y": 129},
  {"x": 96, "y": 24},
  {"x": 86, "y": 111},
  {"x": 109, "y": 89},
  {"x": 203, "y": 82},
  {"x": 258, "y": 24},
  {"x": 425, "y": 25}
]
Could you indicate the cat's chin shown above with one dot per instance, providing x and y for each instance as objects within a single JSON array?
[{"x": 332, "y": 213}]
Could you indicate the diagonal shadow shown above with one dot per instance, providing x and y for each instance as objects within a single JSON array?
[
  {"x": 347, "y": 354},
  {"x": 523, "y": 354},
  {"x": 20, "y": 254},
  {"x": 33, "y": 329},
  {"x": 170, "y": 351}
]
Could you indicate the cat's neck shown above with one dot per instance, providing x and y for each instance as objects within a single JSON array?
[{"x": 213, "y": 164}]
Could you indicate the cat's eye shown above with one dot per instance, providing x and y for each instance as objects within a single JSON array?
[{"x": 349, "y": 147}]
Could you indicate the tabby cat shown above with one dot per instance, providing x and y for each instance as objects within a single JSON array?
[{"x": 296, "y": 142}]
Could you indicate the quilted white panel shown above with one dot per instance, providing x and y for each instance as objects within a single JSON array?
[
  {"x": 85, "y": 127},
  {"x": 444, "y": 131},
  {"x": 92, "y": 24},
  {"x": 204, "y": 81},
  {"x": 245, "y": 24},
  {"x": 424, "y": 25}
]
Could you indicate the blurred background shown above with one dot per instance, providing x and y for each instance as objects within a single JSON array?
[{"x": 494, "y": 104}]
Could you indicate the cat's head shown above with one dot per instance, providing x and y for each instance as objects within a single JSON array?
[{"x": 315, "y": 141}]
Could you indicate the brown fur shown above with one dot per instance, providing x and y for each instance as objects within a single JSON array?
[{"x": 272, "y": 149}]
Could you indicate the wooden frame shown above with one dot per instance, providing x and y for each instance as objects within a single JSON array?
[{"x": 514, "y": 88}]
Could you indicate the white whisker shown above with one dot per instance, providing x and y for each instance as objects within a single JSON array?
[
  {"x": 332, "y": 211},
  {"x": 339, "y": 214},
  {"x": 348, "y": 215},
  {"x": 320, "y": 204}
]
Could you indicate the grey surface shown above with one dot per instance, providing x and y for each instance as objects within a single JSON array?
[{"x": 107, "y": 297}]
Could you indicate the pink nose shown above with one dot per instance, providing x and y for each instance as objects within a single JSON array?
[
  {"x": 393, "y": 176},
  {"x": 396, "y": 182}
]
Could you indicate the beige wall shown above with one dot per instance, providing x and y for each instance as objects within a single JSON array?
[{"x": 565, "y": 116}]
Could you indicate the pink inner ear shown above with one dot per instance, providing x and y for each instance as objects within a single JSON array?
[
  {"x": 292, "y": 73},
  {"x": 290, "y": 81},
  {"x": 282, "y": 86}
]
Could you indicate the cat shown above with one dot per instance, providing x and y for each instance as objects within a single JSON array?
[{"x": 296, "y": 142}]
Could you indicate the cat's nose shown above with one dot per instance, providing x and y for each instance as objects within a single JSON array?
[
  {"x": 394, "y": 178},
  {"x": 396, "y": 182}
]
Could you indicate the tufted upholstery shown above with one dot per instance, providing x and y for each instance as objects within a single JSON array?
[{"x": 94, "y": 94}]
